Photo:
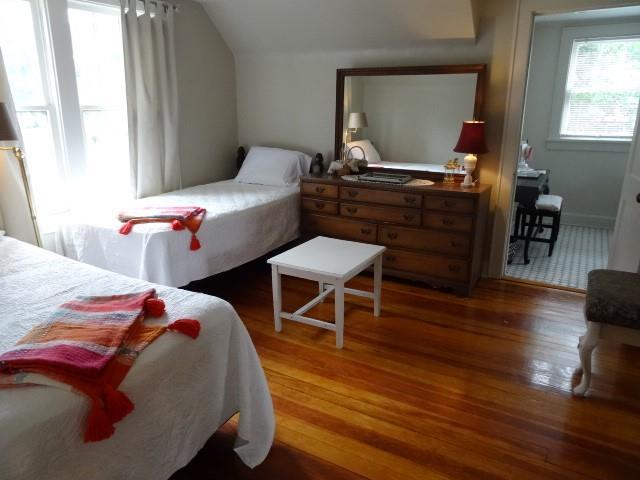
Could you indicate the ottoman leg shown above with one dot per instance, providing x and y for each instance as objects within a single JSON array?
[{"x": 587, "y": 343}]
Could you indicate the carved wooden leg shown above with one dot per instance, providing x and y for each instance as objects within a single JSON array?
[{"x": 585, "y": 348}]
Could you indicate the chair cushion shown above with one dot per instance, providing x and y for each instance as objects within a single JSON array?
[
  {"x": 552, "y": 203},
  {"x": 613, "y": 297}
]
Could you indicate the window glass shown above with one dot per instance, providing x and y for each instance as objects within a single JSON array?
[
  {"x": 24, "y": 61},
  {"x": 99, "y": 62},
  {"x": 603, "y": 88},
  {"x": 18, "y": 41}
]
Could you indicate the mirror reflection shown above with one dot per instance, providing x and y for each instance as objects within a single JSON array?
[{"x": 406, "y": 121}]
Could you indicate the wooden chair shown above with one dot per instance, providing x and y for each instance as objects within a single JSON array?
[
  {"x": 612, "y": 312},
  {"x": 529, "y": 223}
]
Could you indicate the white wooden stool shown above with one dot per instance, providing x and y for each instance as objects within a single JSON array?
[{"x": 332, "y": 262}]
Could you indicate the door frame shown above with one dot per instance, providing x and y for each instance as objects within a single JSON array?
[{"x": 526, "y": 11}]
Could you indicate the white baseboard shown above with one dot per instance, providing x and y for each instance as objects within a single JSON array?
[{"x": 588, "y": 220}]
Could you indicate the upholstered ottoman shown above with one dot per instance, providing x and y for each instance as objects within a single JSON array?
[{"x": 612, "y": 310}]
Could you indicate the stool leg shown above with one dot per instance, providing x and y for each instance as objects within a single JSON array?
[
  {"x": 587, "y": 343},
  {"x": 555, "y": 229},
  {"x": 527, "y": 242},
  {"x": 540, "y": 229},
  {"x": 516, "y": 227},
  {"x": 377, "y": 285},
  {"x": 339, "y": 304},
  {"x": 276, "y": 285}
]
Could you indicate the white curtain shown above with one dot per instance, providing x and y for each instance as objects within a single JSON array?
[
  {"x": 152, "y": 96},
  {"x": 14, "y": 209}
]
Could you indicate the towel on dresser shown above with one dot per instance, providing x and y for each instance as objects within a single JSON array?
[
  {"x": 88, "y": 345},
  {"x": 179, "y": 217}
]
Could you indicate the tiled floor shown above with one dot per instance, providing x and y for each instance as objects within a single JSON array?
[{"x": 578, "y": 251}]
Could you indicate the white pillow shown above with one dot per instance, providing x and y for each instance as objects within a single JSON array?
[
  {"x": 273, "y": 166},
  {"x": 370, "y": 151}
]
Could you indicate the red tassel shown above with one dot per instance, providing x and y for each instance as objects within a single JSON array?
[
  {"x": 99, "y": 425},
  {"x": 186, "y": 326},
  {"x": 116, "y": 404},
  {"x": 154, "y": 307},
  {"x": 195, "y": 243},
  {"x": 126, "y": 228},
  {"x": 177, "y": 225}
]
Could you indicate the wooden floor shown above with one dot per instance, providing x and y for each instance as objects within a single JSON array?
[{"x": 437, "y": 387}]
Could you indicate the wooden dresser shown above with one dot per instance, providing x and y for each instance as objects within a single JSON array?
[{"x": 432, "y": 233}]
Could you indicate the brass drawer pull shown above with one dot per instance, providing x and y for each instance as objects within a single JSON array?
[
  {"x": 320, "y": 205},
  {"x": 409, "y": 199},
  {"x": 389, "y": 258},
  {"x": 352, "y": 210},
  {"x": 449, "y": 203},
  {"x": 392, "y": 235},
  {"x": 352, "y": 193},
  {"x": 448, "y": 221},
  {"x": 408, "y": 217},
  {"x": 454, "y": 268},
  {"x": 320, "y": 189},
  {"x": 365, "y": 231}
]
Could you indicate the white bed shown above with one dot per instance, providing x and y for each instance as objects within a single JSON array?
[
  {"x": 183, "y": 389},
  {"x": 243, "y": 222}
]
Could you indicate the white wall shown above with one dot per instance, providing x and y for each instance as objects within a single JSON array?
[
  {"x": 289, "y": 99},
  {"x": 590, "y": 182},
  {"x": 207, "y": 96},
  {"x": 417, "y": 118}
]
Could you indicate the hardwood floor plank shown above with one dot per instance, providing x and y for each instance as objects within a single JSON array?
[{"x": 438, "y": 386}]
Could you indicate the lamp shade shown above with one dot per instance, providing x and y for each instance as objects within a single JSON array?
[
  {"x": 471, "y": 138},
  {"x": 357, "y": 120},
  {"x": 7, "y": 131}
]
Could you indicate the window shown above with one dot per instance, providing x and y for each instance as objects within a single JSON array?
[
  {"x": 22, "y": 44},
  {"x": 96, "y": 37},
  {"x": 597, "y": 87},
  {"x": 603, "y": 88},
  {"x": 70, "y": 98}
]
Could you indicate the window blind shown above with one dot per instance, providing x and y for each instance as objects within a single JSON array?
[{"x": 603, "y": 88}]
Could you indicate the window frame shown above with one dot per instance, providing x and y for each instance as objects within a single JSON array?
[
  {"x": 557, "y": 141},
  {"x": 51, "y": 103}
]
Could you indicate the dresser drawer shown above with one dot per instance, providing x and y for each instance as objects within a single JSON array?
[
  {"x": 458, "y": 223},
  {"x": 320, "y": 190},
  {"x": 403, "y": 216},
  {"x": 425, "y": 264},
  {"x": 435, "y": 241},
  {"x": 340, "y": 228},
  {"x": 381, "y": 196},
  {"x": 449, "y": 204},
  {"x": 317, "y": 205}
]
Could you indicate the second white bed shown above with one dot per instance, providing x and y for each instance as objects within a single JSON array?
[{"x": 243, "y": 222}]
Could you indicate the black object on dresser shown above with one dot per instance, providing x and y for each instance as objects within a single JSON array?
[{"x": 433, "y": 233}]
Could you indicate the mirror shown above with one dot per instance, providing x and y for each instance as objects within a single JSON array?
[{"x": 407, "y": 118}]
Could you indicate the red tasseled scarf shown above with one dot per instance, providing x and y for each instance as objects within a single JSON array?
[
  {"x": 99, "y": 383},
  {"x": 180, "y": 218}
]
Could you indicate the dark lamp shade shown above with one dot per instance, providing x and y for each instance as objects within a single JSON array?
[
  {"x": 7, "y": 131},
  {"x": 471, "y": 138}
]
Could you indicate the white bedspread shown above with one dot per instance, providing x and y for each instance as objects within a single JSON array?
[
  {"x": 243, "y": 222},
  {"x": 183, "y": 389}
]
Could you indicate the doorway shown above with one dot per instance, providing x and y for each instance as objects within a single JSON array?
[{"x": 580, "y": 106}]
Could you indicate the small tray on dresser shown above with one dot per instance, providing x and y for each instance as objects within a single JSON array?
[{"x": 392, "y": 178}]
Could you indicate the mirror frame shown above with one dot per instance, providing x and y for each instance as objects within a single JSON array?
[{"x": 342, "y": 73}]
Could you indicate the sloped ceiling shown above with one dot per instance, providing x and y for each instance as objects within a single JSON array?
[{"x": 298, "y": 26}]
